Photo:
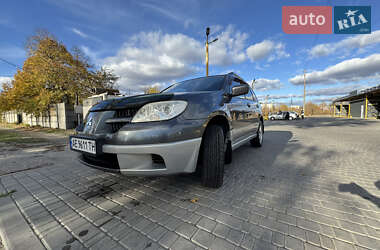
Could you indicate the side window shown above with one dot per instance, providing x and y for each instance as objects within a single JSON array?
[{"x": 249, "y": 96}]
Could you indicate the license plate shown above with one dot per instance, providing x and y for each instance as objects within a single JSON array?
[{"x": 84, "y": 145}]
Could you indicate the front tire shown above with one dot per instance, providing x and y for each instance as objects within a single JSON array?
[
  {"x": 272, "y": 118},
  {"x": 290, "y": 118},
  {"x": 258, "y": 140},
  {"x": 213, "y": 150}
]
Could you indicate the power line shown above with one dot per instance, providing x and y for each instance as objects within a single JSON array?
[{"x": 10, "y": 63}]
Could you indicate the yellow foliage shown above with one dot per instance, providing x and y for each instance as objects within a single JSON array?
[
  {"x": 51, "y": 74},
  {"x": 151, "y": 90}
]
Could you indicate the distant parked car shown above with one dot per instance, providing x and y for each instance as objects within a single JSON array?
[
  {"x": 293, "y": 115},
  {"x": 279, "y": 116}
]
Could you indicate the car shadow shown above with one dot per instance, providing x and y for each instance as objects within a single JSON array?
[{"x": 356, "y": 189}]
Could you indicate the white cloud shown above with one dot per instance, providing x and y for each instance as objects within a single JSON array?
[
  {"x": 355, "y": 69},
  {"x": 263, "y": 84},
  {"x": 229, "y": 49},
  {"x": 266, "y": 49},
  {"x": 353, "y": 42},
  {"x": 333, "y": 91},
  {"x": 79, "y": 33},
  {"x": 153, "y": 58},
  {"x": 156, "y": 57},
  {"x": 5, "y": 79}
]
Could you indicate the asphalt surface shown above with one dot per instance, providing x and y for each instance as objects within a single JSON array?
[{"x": 315, "y": 184}]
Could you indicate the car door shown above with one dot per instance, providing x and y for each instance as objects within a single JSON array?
[
  {"x": 256, "y": 110},
  {"x": 253, "y": 117},
  {"x": 239, "y": 114}
]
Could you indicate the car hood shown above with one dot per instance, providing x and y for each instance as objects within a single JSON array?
[
  {"x": 140, "y": 100},
  {"x": 131, "y": 101}
]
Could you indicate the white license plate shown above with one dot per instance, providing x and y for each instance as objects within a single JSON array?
[{"x": 84, "y": 145}]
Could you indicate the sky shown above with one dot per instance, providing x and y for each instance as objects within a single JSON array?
[{"x": 158, "y": 43}]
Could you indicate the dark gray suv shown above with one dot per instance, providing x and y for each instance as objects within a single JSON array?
[{"x": 192, "y": 126}]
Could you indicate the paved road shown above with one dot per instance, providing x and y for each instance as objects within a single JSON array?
[{"x": 315, "y": 184}]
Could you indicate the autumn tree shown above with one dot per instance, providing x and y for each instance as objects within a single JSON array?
[
  {"x": 151, "y": 90},
  {"x": 52, "y": 74}
]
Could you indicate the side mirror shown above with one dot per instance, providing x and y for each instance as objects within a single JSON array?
[{"x": 239, "y": 90}]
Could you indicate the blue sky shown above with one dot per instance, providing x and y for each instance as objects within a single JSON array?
[{"x": 160, "y": 42}]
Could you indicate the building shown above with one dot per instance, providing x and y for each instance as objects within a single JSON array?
[{"x": 363, "y": 104}]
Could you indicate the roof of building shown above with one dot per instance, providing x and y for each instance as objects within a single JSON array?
[{"x": 356, "y": 94}]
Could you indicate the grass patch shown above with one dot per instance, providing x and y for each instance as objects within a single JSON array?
[
  {"x": 8, "y": 193},
  {"x": 14, "y": 137}
]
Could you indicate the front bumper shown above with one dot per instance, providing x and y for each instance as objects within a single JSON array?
[{"x": 139, "y": 160}]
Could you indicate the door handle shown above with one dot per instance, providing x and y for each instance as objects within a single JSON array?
[{"x": 249, "y": 105}]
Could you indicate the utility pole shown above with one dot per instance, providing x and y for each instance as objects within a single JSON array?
[
  {"x": 207, "y": 33},
  {"x": 207, "y": 43},
  {"x": 304, "y": 92},
  {"x": 253, "y": 83}
]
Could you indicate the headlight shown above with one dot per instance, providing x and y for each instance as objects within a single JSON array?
[{"x": 159, "y": 111}]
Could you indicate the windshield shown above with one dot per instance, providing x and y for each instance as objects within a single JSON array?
[{"x": 211, "y": 83}]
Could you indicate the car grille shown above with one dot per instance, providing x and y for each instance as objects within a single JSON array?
[
  {"x": 121, "y": 118},
  {"x": 105, "y": 160}
]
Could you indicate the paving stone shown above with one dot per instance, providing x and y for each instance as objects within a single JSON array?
[
  {"x": 341, "y": 245},
  {"x": 172, "y": 223},
  {"x": 297, "y": 232},
  {"x": 203, "y": 238},
  {"x": 266, "y": 235},
  {"x": 309, "y": 225},
  {"x": 248, "y": 242},
  {"x": 312, "y": 247},
  {"x": 235, "y": 236},
  {"x": 168, "y": 239},
  {"x": 230, "y": 221},
  {"x": 343, "y": 235},
  {"x": 293, "y": 243},
  {"x": 221, "y": 230},
  {"x": 278, "y": 239},
  {"x": 157, "y": 233},
  {"x": 186, "y": 230},
  {"x": 327, "y": 242},
  {"x": 313, "y": 238},
  {"x": 106, "y": 243},
  {"x": 206, "y": 224},
  {"x": 135, "y": 240},
  {"x": 368, "y": 242},
  {"x": 221, "y": 244},
  {"x": 56, "y": 239},
  {"x": 256, "y": 231},
  {"x": 260, "y": 244},
  {"x": 327, "y": 230},
  {"x": 182, "y": 243}
]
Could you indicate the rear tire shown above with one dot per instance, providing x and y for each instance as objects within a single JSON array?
[
  {"x": 290, "y": 118},
  {"x": 258, "y": 140},
  {"x": 213, "y": 150}
]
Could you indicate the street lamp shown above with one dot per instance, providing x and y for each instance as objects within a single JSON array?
[{"x": 207, "y": 43}]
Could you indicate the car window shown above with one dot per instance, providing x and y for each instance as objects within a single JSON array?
[{"x": 249, "y": 97}]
